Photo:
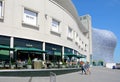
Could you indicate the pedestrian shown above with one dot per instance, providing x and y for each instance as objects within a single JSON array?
[
  {"x": 87, "y": 67},
  {"x": 83, "y": 67}
]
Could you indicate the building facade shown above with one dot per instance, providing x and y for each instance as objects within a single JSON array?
[
  {"x": 104, "y": 43},
  {"x": 48, "y": 25}
]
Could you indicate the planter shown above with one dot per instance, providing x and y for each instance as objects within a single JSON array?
[
  {"x": 12, "y": 66},
  {"x": 29, "y": 66},
  {"x": 63, "y": 66}
]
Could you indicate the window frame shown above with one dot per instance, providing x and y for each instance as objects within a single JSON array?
[
  {"x": 79, "y": 43},
  {"x": 26, "y": 22},
  {"x": 76, "y": 37},
  {"x": 2, "y": 2},
  {"x": 54, "y": 26},
  {"x": 70, "y": 33}
]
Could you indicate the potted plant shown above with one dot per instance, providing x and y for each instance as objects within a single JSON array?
[
  {"x": 29, "y": 63},
  {"x": 64, "y": 64}
]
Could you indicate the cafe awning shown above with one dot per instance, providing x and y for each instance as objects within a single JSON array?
[
  {"x": 4, "y": 54},
  {"x": 57, "y": 53},
  {"x": 29, "y": 50},
  {"x": 84, "y": 56},
  {"x": 81, "y": 56},
  {"x": 66, "y": 57},
  {"x": 2, "y": 47},
  {"x": 70, "y": 54}
]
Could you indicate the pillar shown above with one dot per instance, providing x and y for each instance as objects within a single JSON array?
[{"x": 44, "y": 50}]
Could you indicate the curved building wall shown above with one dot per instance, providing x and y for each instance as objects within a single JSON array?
[
  {"x": 104, "y": 43},
  {"x": 41, "y": 14}
]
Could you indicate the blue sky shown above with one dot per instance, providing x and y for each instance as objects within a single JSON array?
[{"x": 105, "y": 14}]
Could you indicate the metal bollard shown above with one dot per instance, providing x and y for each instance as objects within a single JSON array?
[
  {"x": 52, "y": 77},
  {"x": 30, "y": 80}
]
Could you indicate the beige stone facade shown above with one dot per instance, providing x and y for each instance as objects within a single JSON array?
[{"x": 46, "y": 21}]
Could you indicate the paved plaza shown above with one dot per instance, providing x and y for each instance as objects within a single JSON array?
[{"x": 98, "y": 74}]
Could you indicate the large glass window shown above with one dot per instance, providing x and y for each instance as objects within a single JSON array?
[
  {"x": 30, "y": 17},
  {"x": 54, "y": 52},
  {"x": 4, "y": 40},
  {"x": 70, "y": 33},
  {"x": 55, "y": 25},
  {"x": 18, "y": 42},
  {"x": 4, "y": 54}
]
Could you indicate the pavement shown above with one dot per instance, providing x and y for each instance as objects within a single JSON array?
[{"x": 98, "y": 74}]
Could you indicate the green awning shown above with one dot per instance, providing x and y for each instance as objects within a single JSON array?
[
  {"x": 29, "y": 49},
  {"x": 57, "y": 53},
  {"x": 4, "y": 54},
  {"x": 81, "y": 56},
  {"x": 66, "y": 57},
  {"x": 2, "y": 47},
  {"x": 70, "y": 54}
]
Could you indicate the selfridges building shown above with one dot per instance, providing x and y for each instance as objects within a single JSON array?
[{"x": 104, "y": 43}]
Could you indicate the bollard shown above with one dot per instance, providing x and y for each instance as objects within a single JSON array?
[
  {"x": 52, "y": 77},
  {"x": 30, "y": 80}
]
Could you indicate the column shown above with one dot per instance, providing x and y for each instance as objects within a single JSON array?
[
  {"x": 44, "y": 50},
  {"x": 63, "y": 53},
  {"x": 11, "y": 46}
]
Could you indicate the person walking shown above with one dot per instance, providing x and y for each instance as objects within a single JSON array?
[
  {"x": 87, "y": 67},
  {"x": 83, "y": 67}
]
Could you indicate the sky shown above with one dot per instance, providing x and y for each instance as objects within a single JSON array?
[{"x": 105, "y": 15}]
